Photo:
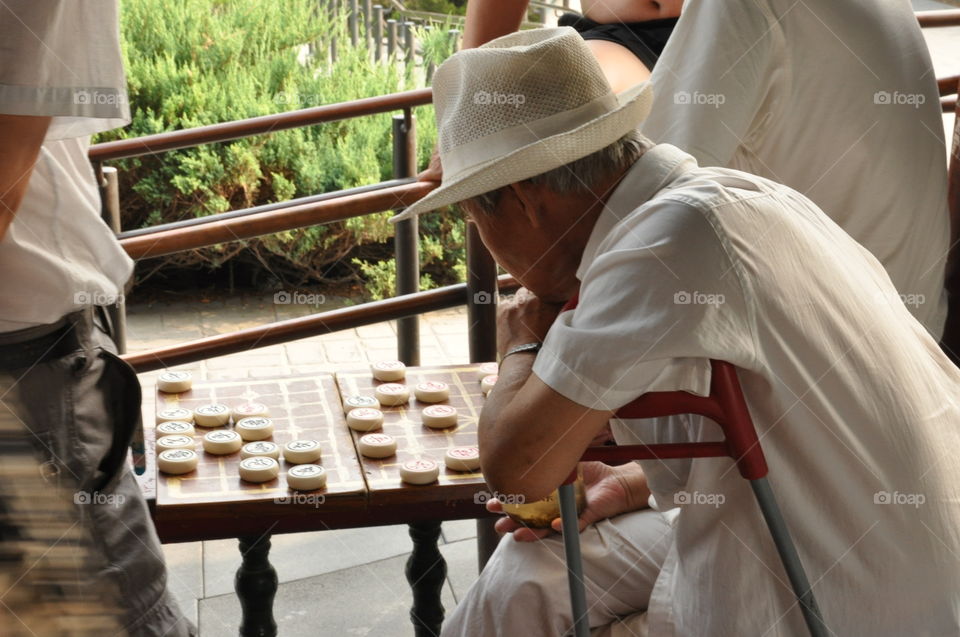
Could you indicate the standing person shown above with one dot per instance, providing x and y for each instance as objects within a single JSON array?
[
  {"x": 61, "y": 80},
  {"x": 835, "y": 98}
]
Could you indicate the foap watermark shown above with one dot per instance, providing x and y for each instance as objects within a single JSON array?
[
  {"x": 896, "y": 98},
  {"x": 298, "y": 99},
  {"x": 96, "y": 497},
  {"x": 910, "y": 300},
  {"x": 292, "y": 297},
  {"x": 98, "y": 97},
  {"x": 485, "y": 98},
  {"x": 915, "y": 500},
  {"x": 97, "y": 298},
  {"x": 315, "y": 500},
  {"x": 698, "y": 298},
  {"x": 682, "y": 498},
  {"x": 697, "y": 98},
  {"x": 482, "y": 497}
]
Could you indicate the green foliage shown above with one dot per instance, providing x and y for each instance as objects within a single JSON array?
[
  {"x": 450, "y": 7},
  {"x": 196, "y": 62}
]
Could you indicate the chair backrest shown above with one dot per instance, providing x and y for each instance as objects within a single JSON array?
[{"x": 725, "y": 405}]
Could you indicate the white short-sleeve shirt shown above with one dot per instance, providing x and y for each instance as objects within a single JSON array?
[
  {"x": 61, "y": 58},
  {"x": 836, "y": 99},
  {"x": 856, "y": 407}
]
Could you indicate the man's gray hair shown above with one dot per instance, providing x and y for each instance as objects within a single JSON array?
[{"x": 580, "y": 175}]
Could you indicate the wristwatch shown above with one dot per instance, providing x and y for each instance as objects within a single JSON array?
[{"x": 529, "y": 348}]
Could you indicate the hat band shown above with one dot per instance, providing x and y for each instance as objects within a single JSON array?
[{"x": 503, "y": 142}]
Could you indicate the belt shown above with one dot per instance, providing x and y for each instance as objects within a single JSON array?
[{"x": 40, "y": 345}]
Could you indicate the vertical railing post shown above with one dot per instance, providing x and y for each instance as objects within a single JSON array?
[
  {"x": 406, "y": 239},
  {"x": 482, "y": 335},
  {"x": 334, "y": 9},
  {"x": 353, "y": 22},
  {"x": 377, "y": 32},
  {"x": 110, "y": 211},
  {"x": 367, "y": 20},
  {"x": 391, "y": 37},
  {"x": 409, "y": 43}
]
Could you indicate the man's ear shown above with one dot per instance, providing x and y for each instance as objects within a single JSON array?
[{"x": 529, "y": 201}]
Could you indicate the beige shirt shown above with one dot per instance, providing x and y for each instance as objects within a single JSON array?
[
  {"x": 836, "y": 99},
  {"x": 856, "y": 406},
  {"x": 61, "y": 58}
]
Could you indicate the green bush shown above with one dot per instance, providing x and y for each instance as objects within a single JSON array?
[{"x": 196, "y": 62}]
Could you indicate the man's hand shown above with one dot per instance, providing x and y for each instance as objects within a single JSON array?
[
  {"x": 522, "y": 319},
  {"x": 610, "y": 492},
  {"x": 434, "y": 171}
]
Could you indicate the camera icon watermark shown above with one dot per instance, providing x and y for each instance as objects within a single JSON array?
[
  {"x": 482, "y": 497},
  {"x": 299, "y": 99},
  {"x": 316, "y": 500},
  {"x": 697, "y": 98},
  {"x": 698, "y": 298},
  {"x": 485, "y": 98},
  {"x": 484, "y": 298},
  {"x": 286, "y": 297},
  {"x": 98, "y": 498},
  {"x": 916, "y": 500},
  {"x": 896, "y": 98},
  {"x": 97, "y": 298},
  {"x": 684, "y": 498}
]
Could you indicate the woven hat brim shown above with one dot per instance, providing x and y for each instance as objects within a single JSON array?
[{"x": 542, "y": 155}]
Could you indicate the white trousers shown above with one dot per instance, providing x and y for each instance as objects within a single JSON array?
[{"x": 523, "y": 589}]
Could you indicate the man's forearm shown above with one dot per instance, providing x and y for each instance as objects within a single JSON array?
[
  {"x": 20, "y": 139},
  {"x": 514, "y": 372},
  {"x": 489, "y": 19}
]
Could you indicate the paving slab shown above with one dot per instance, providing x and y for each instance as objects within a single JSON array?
[{"x": 371, "y": 600}]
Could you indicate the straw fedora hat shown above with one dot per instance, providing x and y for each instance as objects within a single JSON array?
[{"x": 519, "y": 106}]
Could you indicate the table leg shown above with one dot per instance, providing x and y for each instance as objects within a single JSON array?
[
  {"x": 426, "y": 572},
  {"x": 256, "y": 586}
]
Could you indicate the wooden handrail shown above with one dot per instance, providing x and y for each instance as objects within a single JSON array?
[
  {"x": 930, "y": 19},
  {"x": 166, "y": 242},
  {"x": 189, "y": 137},
  {"x": 306, "y": 326},
  {"x": 948, "y": 85}
]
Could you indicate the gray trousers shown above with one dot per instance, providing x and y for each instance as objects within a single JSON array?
[{"x": 79, "y": 411}]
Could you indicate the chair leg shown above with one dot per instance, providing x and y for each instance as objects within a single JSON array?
[
  {"x": 571, "y": 549},
  {"x": 789, "y": 557}
]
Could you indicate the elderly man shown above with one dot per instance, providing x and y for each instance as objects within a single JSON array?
[{"x": 675, "y": 265}]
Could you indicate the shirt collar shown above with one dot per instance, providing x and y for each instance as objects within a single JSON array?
[{"x": 650, "y": 174}]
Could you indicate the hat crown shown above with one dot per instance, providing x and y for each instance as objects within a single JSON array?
[{"x": 512, "y": 82}]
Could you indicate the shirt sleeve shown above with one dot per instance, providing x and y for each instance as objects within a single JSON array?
[
  {"x": 712, "y": 83},
  {"x": 660, "y": 299},
  {"x": 62, "y": 58}
]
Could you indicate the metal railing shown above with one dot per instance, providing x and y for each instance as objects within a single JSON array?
[
  {"x": 482, "y": 283},
  {"x": 478, "y": 293}
]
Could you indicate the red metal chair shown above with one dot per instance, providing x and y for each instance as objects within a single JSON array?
[{"x": 726, "y": 406}]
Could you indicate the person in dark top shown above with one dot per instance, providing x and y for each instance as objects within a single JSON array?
[
  {"x": 644, "y": 39},
  {"x": 626, "y": 37}
]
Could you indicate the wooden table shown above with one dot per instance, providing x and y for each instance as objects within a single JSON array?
[{"x": 213, "y": 503}]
